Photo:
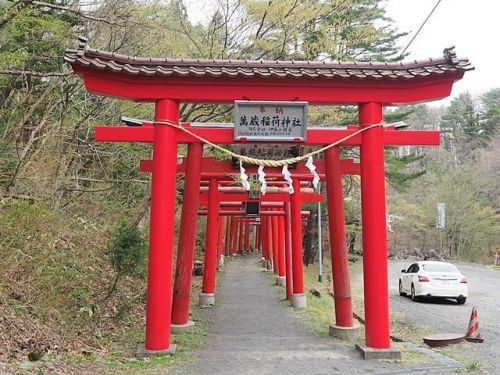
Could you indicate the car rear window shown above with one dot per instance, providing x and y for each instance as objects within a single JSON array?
[{"x": 439, "y": 267}]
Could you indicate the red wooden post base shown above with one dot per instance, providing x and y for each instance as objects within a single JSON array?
[
  {"x": 298, "y": 296},
  {"x": 376, "y": 289},
  {"x": 161, "y": 240},
  {"x": 275, "y": 234},
  {"x": 207, "y": 297},
  {"x": 281, "y": 279},
  {"x": 220, "y": 244},
  {"x": 269, "y": 240},
  {"x": 241, "y": 234},
  {"x": 227, "y": 243},
  {"x": 263, "y": 235},
  {"x": 256, "y": 233},
  {"x": 234, "y": 235},
  {"x": 187, "y": 234},
  {"x": 288, "y": 252},
  {"x": 344, "y": 326},
  {"x": 246, "y": 235}
]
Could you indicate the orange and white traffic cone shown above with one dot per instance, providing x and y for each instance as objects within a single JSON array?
[{"x": 473, "y": 334}]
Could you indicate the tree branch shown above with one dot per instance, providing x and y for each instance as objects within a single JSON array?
[
  {"x": 34, "y": 74},
  {"x": 263, "y": 19},
  {"x": 77, "y": 12}
]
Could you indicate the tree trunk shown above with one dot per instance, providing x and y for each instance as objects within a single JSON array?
[{"x": 310, "y": 238}]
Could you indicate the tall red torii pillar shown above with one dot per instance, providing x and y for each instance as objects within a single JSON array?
[
  {"x": 167, "y": 82},
  {"x": 181, "y": 298}
]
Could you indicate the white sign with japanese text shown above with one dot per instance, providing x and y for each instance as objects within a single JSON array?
[{"x": 270, "y": 121}]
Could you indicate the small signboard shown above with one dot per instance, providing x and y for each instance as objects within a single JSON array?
[
  {"x": 441, "y": 217},
  {"x": 268, "y": 121},
  {"x": 265, "y": 151}
]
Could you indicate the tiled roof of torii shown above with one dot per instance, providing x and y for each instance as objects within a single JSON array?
[{"x": 166, "y": 67}]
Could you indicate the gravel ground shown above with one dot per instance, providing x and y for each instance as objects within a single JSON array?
[
  {"x": 448, "y": 317},
  {"x": 252, "y": 333}
]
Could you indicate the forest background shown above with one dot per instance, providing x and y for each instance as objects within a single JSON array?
[{"x": 67, "y": 204}]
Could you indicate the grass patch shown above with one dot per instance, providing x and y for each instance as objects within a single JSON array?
[
  {"x": 112, "y": 364},
  {"x": 406, "y": 329},
  {"x": 413, "y": 357},
  {"x": 473, "y": 365},
  {"x": 121, "y": 358},
  {"x": 320, "y": 310},
  {"x": 458, "y": 352}
]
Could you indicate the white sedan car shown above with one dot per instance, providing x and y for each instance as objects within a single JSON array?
[{"x": 433, "y": 279}]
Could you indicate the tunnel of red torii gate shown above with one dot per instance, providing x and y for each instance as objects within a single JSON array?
[
  {"x": 169, "y": 82},
  {"x": 277, "y": 253}
]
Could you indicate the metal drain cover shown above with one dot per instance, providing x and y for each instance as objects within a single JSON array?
[{"x": 442, "y": 339}]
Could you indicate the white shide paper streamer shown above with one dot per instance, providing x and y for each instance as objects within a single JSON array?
[
  {"x": 288, "y": 177},
  {"x": 310, "y": 165},
  {"x": 244, "y": 177},
  {"x": 262, "y": 179}
]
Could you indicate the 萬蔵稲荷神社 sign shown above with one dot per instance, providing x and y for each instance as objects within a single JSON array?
[{"x": 270, "y": 121}]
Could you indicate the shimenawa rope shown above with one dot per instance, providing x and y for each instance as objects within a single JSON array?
[{"x": 266, "y": 162}]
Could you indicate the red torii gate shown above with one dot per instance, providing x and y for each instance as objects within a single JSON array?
[
  {"x": 224, "y": 169},
  {"x": 215, "y": 171},
  {"x": 271, "y": 214},
  {"x": 207, "y": 296},
  {"x": 167, "y": 82},
  {"x": 343, "y": 305}
]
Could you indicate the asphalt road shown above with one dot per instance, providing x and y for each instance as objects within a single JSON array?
[{"x": 446, "y": 316}]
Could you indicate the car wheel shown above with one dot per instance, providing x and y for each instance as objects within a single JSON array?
[
  {"x": 461, "y": 300},
  {"x": 413, "y": 296},
  {"x": 401, "y": 293}
]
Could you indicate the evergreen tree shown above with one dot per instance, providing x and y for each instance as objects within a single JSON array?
[
  {"x": 489, "y": 115},
  {"x": 352, "y": 30},
  {"x": 460, "y": 126}
]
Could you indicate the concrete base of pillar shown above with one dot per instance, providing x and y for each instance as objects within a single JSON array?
[
  {"x": 263, "y": 262},
  {"x": 142, "y": 352},
  {"x": 221, "y": 261},
  {"x": 344, "y": 333},
  {"x": 207, "y": 299},
  {"x": 299, "y": 301},
  {"x": 179, "y": 328},
  {"x": 281, "y": 281},
  {"x": 373, "y": 353}
]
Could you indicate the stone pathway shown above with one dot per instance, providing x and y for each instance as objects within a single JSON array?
[{"x": 252, "y": 333}]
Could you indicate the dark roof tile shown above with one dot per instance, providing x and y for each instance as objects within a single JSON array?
[{"x": 154, "y": 66}]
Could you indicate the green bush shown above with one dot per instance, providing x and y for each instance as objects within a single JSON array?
[{"x": 126, "y": 250}]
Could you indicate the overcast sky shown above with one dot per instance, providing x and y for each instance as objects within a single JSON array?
[{"x": 472, "y": 26}]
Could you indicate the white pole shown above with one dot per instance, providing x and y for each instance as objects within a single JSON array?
[{"x": 320, "y": 245}]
